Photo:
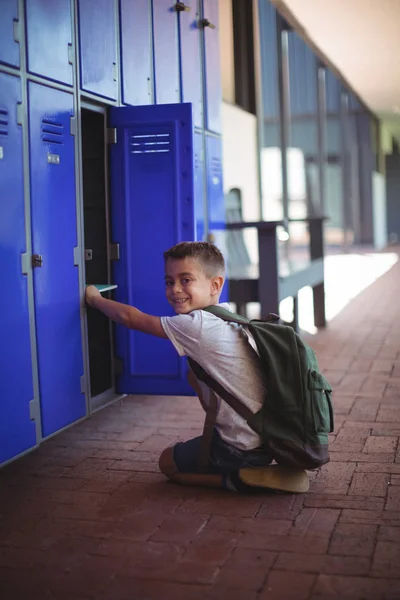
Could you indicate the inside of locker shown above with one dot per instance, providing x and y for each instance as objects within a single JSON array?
[{"x": 96, "y": 222}]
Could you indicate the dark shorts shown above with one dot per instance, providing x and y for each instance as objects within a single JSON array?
[{"x": 224, "y": 459}]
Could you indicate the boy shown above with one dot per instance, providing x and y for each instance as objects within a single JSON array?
[{"x": 194, "y": 277}]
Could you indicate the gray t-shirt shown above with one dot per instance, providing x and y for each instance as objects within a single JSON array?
[{"x": 227, "y": 352}]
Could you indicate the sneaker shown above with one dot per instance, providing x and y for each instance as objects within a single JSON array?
[{"x": 276, "y": 477}]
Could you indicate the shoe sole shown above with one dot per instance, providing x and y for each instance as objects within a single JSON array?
[{"x": 276, "y": 477}]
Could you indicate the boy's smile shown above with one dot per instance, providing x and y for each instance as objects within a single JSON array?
[{"x": 187, "y": 286}]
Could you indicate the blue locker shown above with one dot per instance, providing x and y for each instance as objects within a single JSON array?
[
  {"x": 17, "y": 431},
  {"x": 98, "y": 58},
  {"x": 136, "y": 56},
  {"x": 166, "y": 52},
  {"x": 212, "y": 66},
  {"x": 215, "y": 188},
  {"x": 191, "y": 72},
  {"x": 54, "y": 237},
  {"x": 9, "y": 47},
  {"x": 215, "y": 197},
  {"x": 199, "y": 199},
  {"x": 49, "y": 39},
  {"x": 152, "y": 209}
]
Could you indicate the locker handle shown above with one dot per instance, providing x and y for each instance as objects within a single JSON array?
[
  {"x": 182, "y": 7},
  {"x": 207, "y": 23},
  {"x": 37, "y": 260}
]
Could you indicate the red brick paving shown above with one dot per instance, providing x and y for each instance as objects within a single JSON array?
[{"x": 88, "y": 516}]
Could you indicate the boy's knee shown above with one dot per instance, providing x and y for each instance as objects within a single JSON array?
[{"x": 166, "y": 463}]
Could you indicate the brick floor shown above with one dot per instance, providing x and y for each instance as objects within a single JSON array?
[{"x": 88, "y": 516}]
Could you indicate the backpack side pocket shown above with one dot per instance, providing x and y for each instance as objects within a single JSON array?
[{"x": 321, "y": 403}]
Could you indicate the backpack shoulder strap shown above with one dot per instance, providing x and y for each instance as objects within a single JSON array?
[
  {"x": 231, "y": 317},
  {"x": 233, "y": 402},
  {"x": 226, "y": 315}
]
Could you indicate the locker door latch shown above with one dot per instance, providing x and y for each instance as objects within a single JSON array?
[
  {"x": 207, "y": 23},
  {"x": 181, "y": 7},
  {"x": 37, "y": 260}
]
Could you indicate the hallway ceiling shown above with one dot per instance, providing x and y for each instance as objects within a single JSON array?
[{"x": 361, "y": 38}]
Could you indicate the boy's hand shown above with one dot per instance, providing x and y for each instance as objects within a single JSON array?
[{"x": 91, "y": 293}]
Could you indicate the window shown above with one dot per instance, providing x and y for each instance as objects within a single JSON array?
[{"x": 245, "y": 95}]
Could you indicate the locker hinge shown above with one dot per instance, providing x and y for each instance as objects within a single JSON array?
[
  {"x": 77, "y": 256},
  {"x": 83, "y": 384},
  {"x": 118, "y": 366},
  {"x": 17, "y": 31},
  {"x": 37, "y": 261},
  {"x": 72, "y": 125},
  {"x": 70, "y": 54},
  {"x": 33, "y": 410},
  {"x": 111, "y": 135},
  {"x": 20, "y": 113},
  {"x": 113, "y": 251},
  {"x": 26, "y": 263}
]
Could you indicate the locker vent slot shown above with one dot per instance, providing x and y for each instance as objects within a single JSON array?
[
  {"x": 52, "y": 132},
  {"x": 150, "y": 143},
  {"x": 3, "y": 122}
]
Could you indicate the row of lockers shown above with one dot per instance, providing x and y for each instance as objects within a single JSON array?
[
  {"x": 56, "y": 286},
  {"x": 154, "y": 47},
  {"x": 148, "y": 201}
]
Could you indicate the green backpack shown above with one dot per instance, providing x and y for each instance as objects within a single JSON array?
[{"x": 297, "y": 414}]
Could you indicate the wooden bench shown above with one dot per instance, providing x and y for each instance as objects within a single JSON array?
[{"x": 267, "y": 284}]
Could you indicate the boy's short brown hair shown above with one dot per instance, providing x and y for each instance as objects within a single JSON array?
[{"x": 208, "y": 255}]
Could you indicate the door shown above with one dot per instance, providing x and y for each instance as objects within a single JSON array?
[
  {"x": 216, "y": 199},
  {"x": 9, "y": 32},
  {"x": 212, "y": 65},
  {"x": 98, "y": 57},
  {"x": 199, "y": 195},
  {"x": 17, "y": 431},
  {"x": 54, "y": 242},
  {"x": 49, "y": 39},
  {"x": 190, "y": 56},
  {"x": 136, "y": 55},
  {"x": 166, "y": 52},
  {"x": 152, "y": 208}
]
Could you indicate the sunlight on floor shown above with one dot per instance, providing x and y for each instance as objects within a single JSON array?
[{"x": 346, "y": 276}]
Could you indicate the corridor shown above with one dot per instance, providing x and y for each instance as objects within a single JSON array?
[{"x": 88, "y": 516}]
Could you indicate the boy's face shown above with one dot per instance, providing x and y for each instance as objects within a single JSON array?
[{"x": 187, "y": 286}]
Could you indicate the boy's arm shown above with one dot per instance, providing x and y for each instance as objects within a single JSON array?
[{"x": 124, "y": 314}]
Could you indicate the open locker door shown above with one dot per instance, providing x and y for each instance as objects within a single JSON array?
[{"x": 152, "y": 209}]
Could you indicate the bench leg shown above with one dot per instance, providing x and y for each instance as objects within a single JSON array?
[
  {"x": 242, "y": 309},
  {"x": 319, "y": 305},
  {"x": 295, "y": 323}
]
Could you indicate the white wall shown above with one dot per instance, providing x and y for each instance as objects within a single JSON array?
[
  {"x": 226, "y": 50},
  {"x": 239, "y": 139}
]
